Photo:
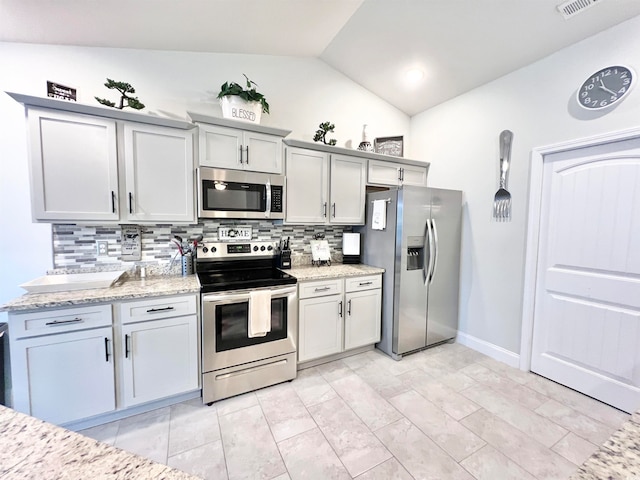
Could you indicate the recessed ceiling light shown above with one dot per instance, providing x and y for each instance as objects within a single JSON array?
[{"x": 414, "y": 75}]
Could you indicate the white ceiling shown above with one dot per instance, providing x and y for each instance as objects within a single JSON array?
[{"x": 460, "y": 44}]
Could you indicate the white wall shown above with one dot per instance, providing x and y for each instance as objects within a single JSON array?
[
  {"x": 302, "y": 93},
  {"x": 460, "y": 139}
]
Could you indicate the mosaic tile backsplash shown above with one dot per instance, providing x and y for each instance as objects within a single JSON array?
[{"x": 74, "y": 246}]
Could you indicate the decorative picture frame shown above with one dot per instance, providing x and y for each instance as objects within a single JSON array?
[{"x": 393, "y": 146}]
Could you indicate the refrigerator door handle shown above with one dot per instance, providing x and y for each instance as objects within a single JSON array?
[
  {"x": 426, "y": 267},
  {"x": 434, "y": 263}
]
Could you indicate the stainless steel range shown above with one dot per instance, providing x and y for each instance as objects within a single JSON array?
[{"x": 249, "y": 319}]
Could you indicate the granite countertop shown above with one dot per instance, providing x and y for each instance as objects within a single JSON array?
[
  {"x": 34, "y": 449},
  {"x": 617, "y": 458},
  {"x": 333, "y": 271},
  {"x": 155, "y": 286}
]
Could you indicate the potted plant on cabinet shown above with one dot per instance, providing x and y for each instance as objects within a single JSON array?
[{"x": 244, "y": 104}]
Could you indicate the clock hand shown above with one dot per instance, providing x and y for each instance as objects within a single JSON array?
[{"x": 606, "y": 89}]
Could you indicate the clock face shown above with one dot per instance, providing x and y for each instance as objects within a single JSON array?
[{"x": 606, "y": 87}]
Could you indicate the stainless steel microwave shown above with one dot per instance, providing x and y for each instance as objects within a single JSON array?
[{"x": 238, "y": 194}]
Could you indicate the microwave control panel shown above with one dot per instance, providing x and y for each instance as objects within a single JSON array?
[{"x": 276, "y": 198}]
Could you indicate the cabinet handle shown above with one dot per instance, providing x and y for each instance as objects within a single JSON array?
[
  {"x": 130, "y": 202},
  {"x": 340, "y": 309},
  {"x": 64, "y": 322},
  {"x": 362, "y": 284},
  {"x": 334, "y": 210},
  {"x": 247, "y": 159},
  {"x": 164, "y": 309},
  {"x": 324, "y": 209},
  {"x": 240, "y": 154},
  {"x": 126, "y": 346},
  {"x": 106, "y": 349},
  {"x": 401, "y": 174},
  {"x": 349, "y": 308},
  {"x": 113, "y": 201},
  {"x": 323, "y": 289}
]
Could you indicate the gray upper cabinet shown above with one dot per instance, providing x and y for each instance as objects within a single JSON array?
[
  {"x": 235, "y": 145},
  {"x": 324, "y": 188},
  {"x": 396, "y": 174},
  {"x": 86, "y": 168}
]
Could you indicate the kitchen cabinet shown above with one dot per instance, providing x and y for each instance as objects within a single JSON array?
[
  {"x": 396, "y": 174},
  {"x": 159, "y": 348},
  {"x": 338, "y": 315},
  {"x": 324, "y": 188},
  {"x": 89, "y": 167},
  {"x": 235, "y": 145},
  {"x": 62, "y": 363}
]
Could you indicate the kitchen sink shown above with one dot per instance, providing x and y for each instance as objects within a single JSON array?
[{"x": 73, "y": 281}]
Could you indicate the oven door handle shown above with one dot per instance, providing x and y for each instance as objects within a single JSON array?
[{"x": 222, "y": 297}]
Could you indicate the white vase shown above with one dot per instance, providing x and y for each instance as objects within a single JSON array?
[{"x": 236, "y": 108}]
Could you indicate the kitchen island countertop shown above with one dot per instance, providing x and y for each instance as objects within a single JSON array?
[
  {"x": 34, "y": 449},
  {"x": 334, "y": 271},
  {"x": 155, "y": 286}
]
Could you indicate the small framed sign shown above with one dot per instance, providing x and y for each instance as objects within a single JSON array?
[
  {"x": 389, "y": 145},
  {"x": 131, "y": 243},
  {"x": 55, "y": 90}
]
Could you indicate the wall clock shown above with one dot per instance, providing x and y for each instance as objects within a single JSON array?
[{"x": 606, "y": 87}]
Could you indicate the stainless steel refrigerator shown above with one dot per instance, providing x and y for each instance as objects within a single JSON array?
[{"x": 419, "y": 248}]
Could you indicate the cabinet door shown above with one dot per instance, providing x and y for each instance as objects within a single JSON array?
[
  {"x": 362, "y": 321},
  {"x": 307, "y": 186},
  {"x": 413, "y": 175},
  {"x": 220, "y": 147},
  {"x": 383, "y": 173},
  {"x": 262, "y": 153},
  {"x": 74, "y": 166},
  {"x": 159, "y": 174},
  {"x": 348, "y": 184},
  {"x": 160, "y": 359},
  {"x": 319, "y": 327},
  {"x": 64, "y": 377}
]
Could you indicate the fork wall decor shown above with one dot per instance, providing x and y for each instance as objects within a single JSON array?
[{"x": 502, "y": 198}]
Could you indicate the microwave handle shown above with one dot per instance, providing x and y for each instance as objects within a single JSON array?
[{"x": 267, "y": 210}]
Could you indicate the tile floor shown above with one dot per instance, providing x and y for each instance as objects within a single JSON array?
[{"x": 444, "y": 413}]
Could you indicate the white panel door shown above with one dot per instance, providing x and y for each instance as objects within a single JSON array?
[
  {"x": 159, "y": 174},
  {"x": 160, "y": 359},
  {"x": 262, "y": 153},
  {"x": 348, "y": 184},
  {"x": 587, "y": 305},
  {"x": 307, "y": 186},
  {"x": 319, "y": 327},
  {"x": 220, "y": 147},
  {"x": 363, "y": 318},
  {"x": 74, "y": 166}
]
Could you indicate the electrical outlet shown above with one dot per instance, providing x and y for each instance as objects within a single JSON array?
[{"x": 102, "y": 248}]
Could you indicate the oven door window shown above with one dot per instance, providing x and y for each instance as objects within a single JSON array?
[
  {"x": 233, "y": 196},
  {"x": 232, "y": 325}
]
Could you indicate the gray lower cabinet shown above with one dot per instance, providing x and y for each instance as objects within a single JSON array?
[
  {"x": 337, "y": 315},
  {"x": 66, "y": 366}
]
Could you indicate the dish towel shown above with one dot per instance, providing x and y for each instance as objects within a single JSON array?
[
  {"x": 379, "y": 217},
  {"x": 259, "y": 313}
]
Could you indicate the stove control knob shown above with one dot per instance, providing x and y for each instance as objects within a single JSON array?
[
  {"x": 262, "y": 248},
  {"x": 205, "y": 249},
  {"x": 255, "y": 248},
  {"x": 269, "y": 248},
  {"x": 214, "y": 249}
]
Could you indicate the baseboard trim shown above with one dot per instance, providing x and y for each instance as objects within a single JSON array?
[{"x": 494, "y": 351}]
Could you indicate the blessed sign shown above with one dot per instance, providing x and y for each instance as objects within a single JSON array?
[{"x": 55, "y": 90}]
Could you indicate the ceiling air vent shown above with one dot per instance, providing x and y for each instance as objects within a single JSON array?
[{"x": 574, "y": 7}]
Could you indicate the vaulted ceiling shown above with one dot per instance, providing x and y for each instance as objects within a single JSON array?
[{"x": 457, "y": 44}]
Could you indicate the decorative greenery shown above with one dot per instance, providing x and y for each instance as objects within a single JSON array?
[
  {"x": 250, "y": 94},
  {"x": 321, "y": 133},
  {"x": 124, "y": 88}
]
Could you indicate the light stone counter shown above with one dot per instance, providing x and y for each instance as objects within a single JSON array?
[
  {"x": 33, "y": 449},
  {"x": 618, "y": 458},
  {"x": 334, "y": 271},
  {"x": 123, "y": 290}
]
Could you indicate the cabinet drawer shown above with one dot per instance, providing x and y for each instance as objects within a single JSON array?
[
  {"x": 49, "y": 322},
  {"x": 164, "y": 307},
  {"x": 320, "y": 288},
  {"x": 355, "y": 284}
]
